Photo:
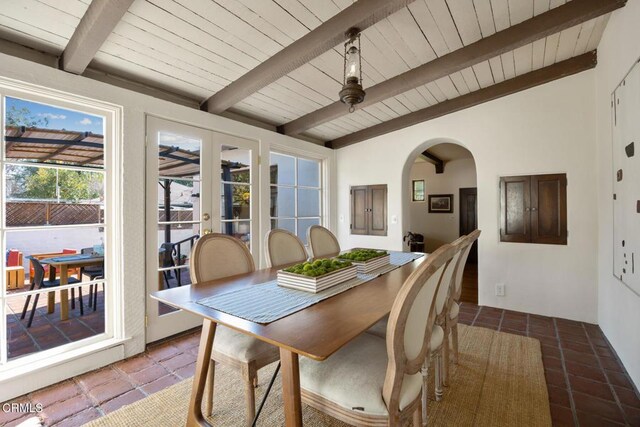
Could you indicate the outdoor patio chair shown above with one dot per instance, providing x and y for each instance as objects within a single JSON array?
[
  {"x": 38, "y": 282},
  {"x": 166, "y": 260},
  {"x": 93, "y": 272}
]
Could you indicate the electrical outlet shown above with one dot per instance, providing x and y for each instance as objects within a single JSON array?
[{"x": 500, "y": 290}]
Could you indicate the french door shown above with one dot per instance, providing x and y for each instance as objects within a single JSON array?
[{"x": 198, "y": 181}]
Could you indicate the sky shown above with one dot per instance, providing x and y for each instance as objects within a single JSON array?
[{"x": 59, "y": 118}]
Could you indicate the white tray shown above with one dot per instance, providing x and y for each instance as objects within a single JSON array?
[
  {"x": 372, "y": 264},
  {"x": 316, "y": 284}
]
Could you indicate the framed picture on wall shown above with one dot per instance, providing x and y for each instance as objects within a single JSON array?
[
  {"x": 440, "y": 203},
  {"x": 418, "y": 190}
]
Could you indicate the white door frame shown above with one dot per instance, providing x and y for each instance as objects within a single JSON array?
[{"x": 160, "y": 326}]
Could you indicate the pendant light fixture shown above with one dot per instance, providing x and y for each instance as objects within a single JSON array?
[{"x": 352, "y": 92}]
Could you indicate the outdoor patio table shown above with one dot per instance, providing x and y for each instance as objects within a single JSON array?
[
  {"x": 64, "y": 263},
  {"x": 316, "y": 332}
]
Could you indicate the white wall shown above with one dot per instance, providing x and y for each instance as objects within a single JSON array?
[
  {"x": 618, "y": 306},
  {"x": 135, "y": 107},
  {"x": 547, "y": 129},
  {"x": 440, "y": 228}
]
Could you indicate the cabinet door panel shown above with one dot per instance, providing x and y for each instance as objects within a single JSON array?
[
  {"x": 549, "y": 209},
  {"x": 378, "y": 210},
  {"x": 359, "y": 208},
  {"x": 515, "y": 218}
]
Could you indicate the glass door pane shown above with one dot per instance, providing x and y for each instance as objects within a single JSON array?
[
  {"x": 236, "y": 192},
  {"x": 178, "y": 161}
]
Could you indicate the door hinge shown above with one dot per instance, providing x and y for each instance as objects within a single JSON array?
[
  {"x": 146, "y": 321},
  {"x": 350, "y": 226}
]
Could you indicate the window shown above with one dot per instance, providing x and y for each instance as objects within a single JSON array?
[
  {"x": 533, "y": 209},
  {"x": 369, "y": 210},
  {"x": 296, "y": 194},
  {"x": 417, "y": 194},
  {"x": 56, "y": 223}
]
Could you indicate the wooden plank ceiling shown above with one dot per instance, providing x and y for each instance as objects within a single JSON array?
[{"x": 197, "y": 47}]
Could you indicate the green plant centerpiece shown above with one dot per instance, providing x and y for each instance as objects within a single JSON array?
[
  {"x": 362, "y": 255},
  {"x": 318, "y": 268}
]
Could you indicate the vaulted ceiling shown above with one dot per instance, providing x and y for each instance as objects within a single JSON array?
[{"x": 196, "y": 48}]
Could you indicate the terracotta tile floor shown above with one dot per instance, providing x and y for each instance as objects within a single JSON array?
[
  {"x": 47, "y": 330},
  {"x": 587, "y": 384}
]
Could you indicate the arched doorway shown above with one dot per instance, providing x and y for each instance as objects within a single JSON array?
[{"x": 441, "y": 201}]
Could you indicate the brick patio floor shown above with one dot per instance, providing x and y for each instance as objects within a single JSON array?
[
  {"x": 47, "y": 330},
  {"x": 587, "y": 384}
]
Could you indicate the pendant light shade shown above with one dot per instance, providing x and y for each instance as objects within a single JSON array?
[{"x": 352, "y": 92}]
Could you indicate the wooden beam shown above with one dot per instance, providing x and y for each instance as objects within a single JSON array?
[
  {"x": 98, "y": 22},
  {"x": 556, "y": 71},
  {"x": 439, "y": 163},
  {"x": 361, "y": 14},
  {"x": 543, "y": 25}
]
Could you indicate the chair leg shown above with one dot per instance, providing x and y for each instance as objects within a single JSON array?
[
  {"x": 454, "y": 341},
  {"x": 26, "y": 306},
  {"x": 26, "y": 303},
  {"x": 425, "y": 389},
  {"x": 212, "y": 373},
  {"x": 417, "y": 417},
  {"x": 248, "y": 374},
  {"x": 73, "y": 298},
  {"x": 445, "y": 358},
  {"x": 438, "y": 374},
  {"x": 91, "y": 296},
  {"x": 33, "y": 310},
  {"x": 80, "y": 301},
  {"x": 95, "y": 296}
]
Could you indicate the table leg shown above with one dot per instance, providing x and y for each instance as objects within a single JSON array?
[
  {"x": 51, "y": 302},
  {"x": 291, "y": 388},
  {"x": 51, "y": 296},
  {"x": 195, "y": 417},
  {"x": 64, "y": 294}
]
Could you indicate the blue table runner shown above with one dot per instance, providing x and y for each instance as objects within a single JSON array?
[{"x": 268, "y": 302}]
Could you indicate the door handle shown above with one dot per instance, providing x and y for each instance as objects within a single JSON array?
[
  {"x": 206, "y": 217},
  {"x": 206, "y": 231}
]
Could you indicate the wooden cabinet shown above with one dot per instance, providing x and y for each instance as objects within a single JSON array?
[
  {"x": 369, "y": 210},
  {"x": 533, "y": 209}
]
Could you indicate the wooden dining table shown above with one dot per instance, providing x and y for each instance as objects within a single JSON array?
[
  {"x": 316, "y": 332},
  {"x": 64, "y": 263}
]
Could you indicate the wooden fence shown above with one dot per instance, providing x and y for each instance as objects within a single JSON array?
[
  {"x": 52, "y": 213},
  {"x": 24, "y": 214}
]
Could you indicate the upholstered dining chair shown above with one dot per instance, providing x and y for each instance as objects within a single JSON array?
[
  {"x": 215, "y": 256},
  {"x": 439, "y": 352},
  {"x": 456, "y": 292},
  {"x": 443, "y": 306},
  {"x": 322, "y": 242},
  {"x": 373, "y": 381},
  {"x": 282, "y": 247}
]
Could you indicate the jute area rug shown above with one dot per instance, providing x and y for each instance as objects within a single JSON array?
[{"x": 498, "y": 382}]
